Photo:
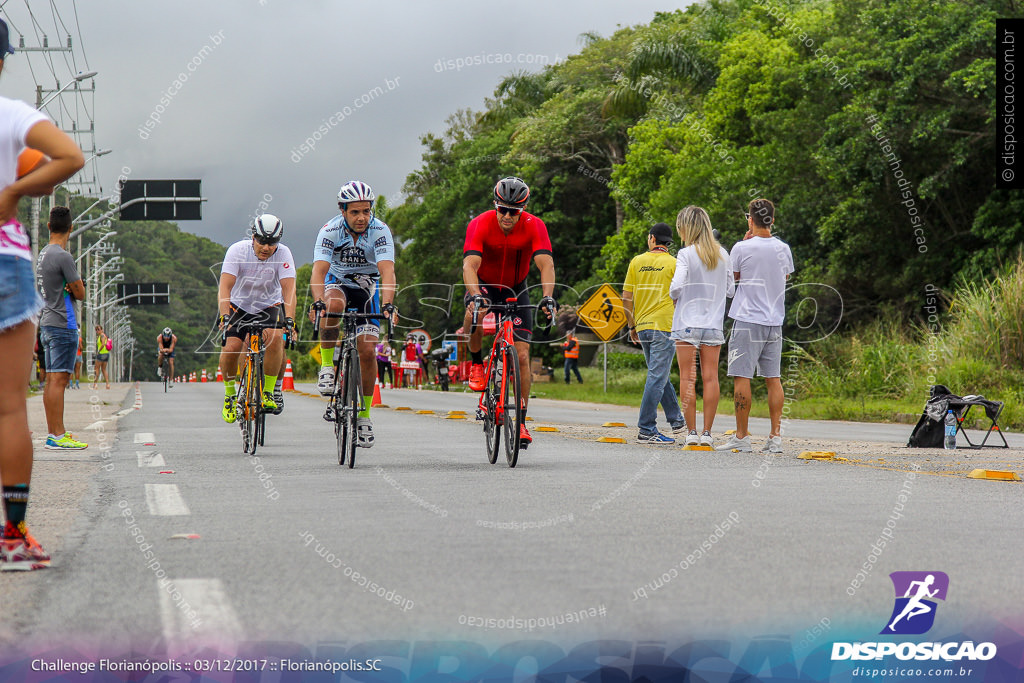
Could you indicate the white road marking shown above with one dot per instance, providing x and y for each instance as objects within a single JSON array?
[
  {"x": 148, "y": 459},
  {"x": 144, "y": 437},
  {"x": 197, "y": 612},
  {"x": 165, "y": 500}
]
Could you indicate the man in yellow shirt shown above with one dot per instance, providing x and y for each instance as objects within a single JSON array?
[{"x": 649, "y": 312}]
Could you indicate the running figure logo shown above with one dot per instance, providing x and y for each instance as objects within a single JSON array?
[{"x": 914, "y": 611}]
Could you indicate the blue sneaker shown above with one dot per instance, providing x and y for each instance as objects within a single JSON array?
[{"x": 654, "y": 438}]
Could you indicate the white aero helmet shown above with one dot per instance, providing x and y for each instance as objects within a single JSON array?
[
  {"x": 267, "y": 228},
  {"x": 356, "y": 191}
]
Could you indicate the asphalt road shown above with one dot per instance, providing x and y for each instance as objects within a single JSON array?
[{"x": 424, "y": 539}]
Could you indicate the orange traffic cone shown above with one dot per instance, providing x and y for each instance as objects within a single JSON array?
[
  {"x": 220, "y": 375},
  {"x": 288, "y": 382},
  {"x": 192, "y": 377},
  {"x": 376, "y": 394},
  {"x": 204, "y": 377}
]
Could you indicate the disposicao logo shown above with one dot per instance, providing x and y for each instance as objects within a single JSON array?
[
  {"x": 913, "y": 614},
  {"x": 914, "y": 611}
]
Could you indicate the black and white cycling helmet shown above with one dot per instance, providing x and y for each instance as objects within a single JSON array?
[
  {"x": 512, "y": 192},
  {"x": 355, "y": 191},
  {"x": 267, "y": 228},
  {"x": 167, "y": 332}
]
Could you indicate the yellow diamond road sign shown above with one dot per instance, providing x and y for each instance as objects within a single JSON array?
[{"x": 603, "y": 312}]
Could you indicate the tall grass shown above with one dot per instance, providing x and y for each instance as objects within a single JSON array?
[
  {"x": 978, "y": 350},
  {"x": 987, "y": 319}
]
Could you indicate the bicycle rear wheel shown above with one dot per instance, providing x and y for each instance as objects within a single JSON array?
[
  {"x": 510, "y": 405},
  {"x": 259, "y": 421},
  {"x": 492, "y": 418}
]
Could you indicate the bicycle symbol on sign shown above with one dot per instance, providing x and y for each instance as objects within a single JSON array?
[{"x": 606, "y": 314}]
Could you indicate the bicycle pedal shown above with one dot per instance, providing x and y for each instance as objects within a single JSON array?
[
  {"x": 523, "y": 444},
  {"x": 329, "y": 415},
  {"x": 480, "y": 414}
]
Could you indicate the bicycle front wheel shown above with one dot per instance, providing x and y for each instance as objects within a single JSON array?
[
  {"x": 511, "y": 405},
  {"x": 244, "y": 408},
  {"x": 492, "y": 416},
  {"x": 353, "y": 403}
]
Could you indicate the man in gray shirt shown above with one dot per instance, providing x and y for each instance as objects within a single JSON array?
[{"x": 60, "y": 284}]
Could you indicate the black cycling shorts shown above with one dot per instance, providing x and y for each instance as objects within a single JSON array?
[
  {"x": 272, "y": 317},
  {"x": 522, "y": 324}
]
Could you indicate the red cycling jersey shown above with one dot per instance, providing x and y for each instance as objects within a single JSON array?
[{"x": 505, "y": 258}]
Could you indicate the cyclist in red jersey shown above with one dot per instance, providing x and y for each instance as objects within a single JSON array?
[{"x": 496, "y": 260}]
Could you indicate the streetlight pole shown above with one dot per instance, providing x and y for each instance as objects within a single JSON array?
[{"x": 36, "y": 205}]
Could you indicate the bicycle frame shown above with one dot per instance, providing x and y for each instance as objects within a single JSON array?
[
  {"x": 249, "y": 395},
  {"x": 346, "y": 400},
  {"x": 502, "y": 385}
]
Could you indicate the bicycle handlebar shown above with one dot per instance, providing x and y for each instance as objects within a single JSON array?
[
  {"x": 321, "y": 312},
  {"x": 511, "y": 305}
]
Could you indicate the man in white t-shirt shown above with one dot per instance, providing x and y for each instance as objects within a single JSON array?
[
  {"x": 762, "y": 264},
  {"x": 257, "y": 285}
]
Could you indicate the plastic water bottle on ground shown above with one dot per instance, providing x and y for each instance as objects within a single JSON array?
[{"x": 949, "y": 440}]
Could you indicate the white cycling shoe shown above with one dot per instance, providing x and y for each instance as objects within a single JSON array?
[
  {"x": 364, "y": 432},
  {"x": 325, "y": 381}
]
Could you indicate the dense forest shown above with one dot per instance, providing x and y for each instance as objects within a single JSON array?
[{"x": 868, "y": 123}]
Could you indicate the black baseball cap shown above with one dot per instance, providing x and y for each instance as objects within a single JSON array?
[
  {"x": 5, "y": 40},
  {"x": 662, "y": 233}
]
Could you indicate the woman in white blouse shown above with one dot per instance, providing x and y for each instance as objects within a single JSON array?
[{"x": 702, "y": 281}]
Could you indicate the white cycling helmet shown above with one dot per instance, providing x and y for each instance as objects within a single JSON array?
[
  {"x": 356, "y": 191},
  {"x": 268, "y": 228},
  {"x": 167, "y": 332}
]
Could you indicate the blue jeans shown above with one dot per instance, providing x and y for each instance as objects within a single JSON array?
[
  {"x": 61, "y": 345},
  {"x": 659, "y": 350}
]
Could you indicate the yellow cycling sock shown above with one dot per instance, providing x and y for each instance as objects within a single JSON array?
[
  {"x": 268, "y": 383},
  {"x": 365, "y": 412},
  {"x": 326, "y": 358},
  {"x": 229, "y": 387}
]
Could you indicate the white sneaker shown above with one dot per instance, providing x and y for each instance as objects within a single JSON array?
[
  {"x": 364, "y": 432},
  {"x": 692, "y": 439},
  {"x": 679, "y": 429},
  {"x": 773, "y": 445},
  {"x": 706, "y": 439},
  {"x": 325, "y": 381},
  {"x": 734, "y": 444}
]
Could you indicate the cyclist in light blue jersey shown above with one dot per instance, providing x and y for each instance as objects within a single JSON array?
[{"x": 353, "y": 269}]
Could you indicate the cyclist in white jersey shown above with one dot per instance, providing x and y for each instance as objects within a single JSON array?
[
  {"x": 257, "y": 284},
  {"x": 353, "y": 269}
]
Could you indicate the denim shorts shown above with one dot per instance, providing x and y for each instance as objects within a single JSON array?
[
  {"x": 699, "y": 336},
  {"x": 61, "y": 347},
  {"x": 19, "y": 300}
]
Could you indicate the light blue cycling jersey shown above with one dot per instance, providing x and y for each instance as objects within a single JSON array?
[{"x": 349, "y": 257}]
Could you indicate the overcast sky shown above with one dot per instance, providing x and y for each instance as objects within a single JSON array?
[{"x": 275, "y": 71}]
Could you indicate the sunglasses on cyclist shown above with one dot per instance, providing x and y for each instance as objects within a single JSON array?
[
  {"x": 507, "y": 210},
  {"x": 265, "y": 242}
]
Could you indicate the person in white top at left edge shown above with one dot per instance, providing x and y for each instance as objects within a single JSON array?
[
  {"x": 257, "y": 285},
  {"x": 21, "y": 126}
]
